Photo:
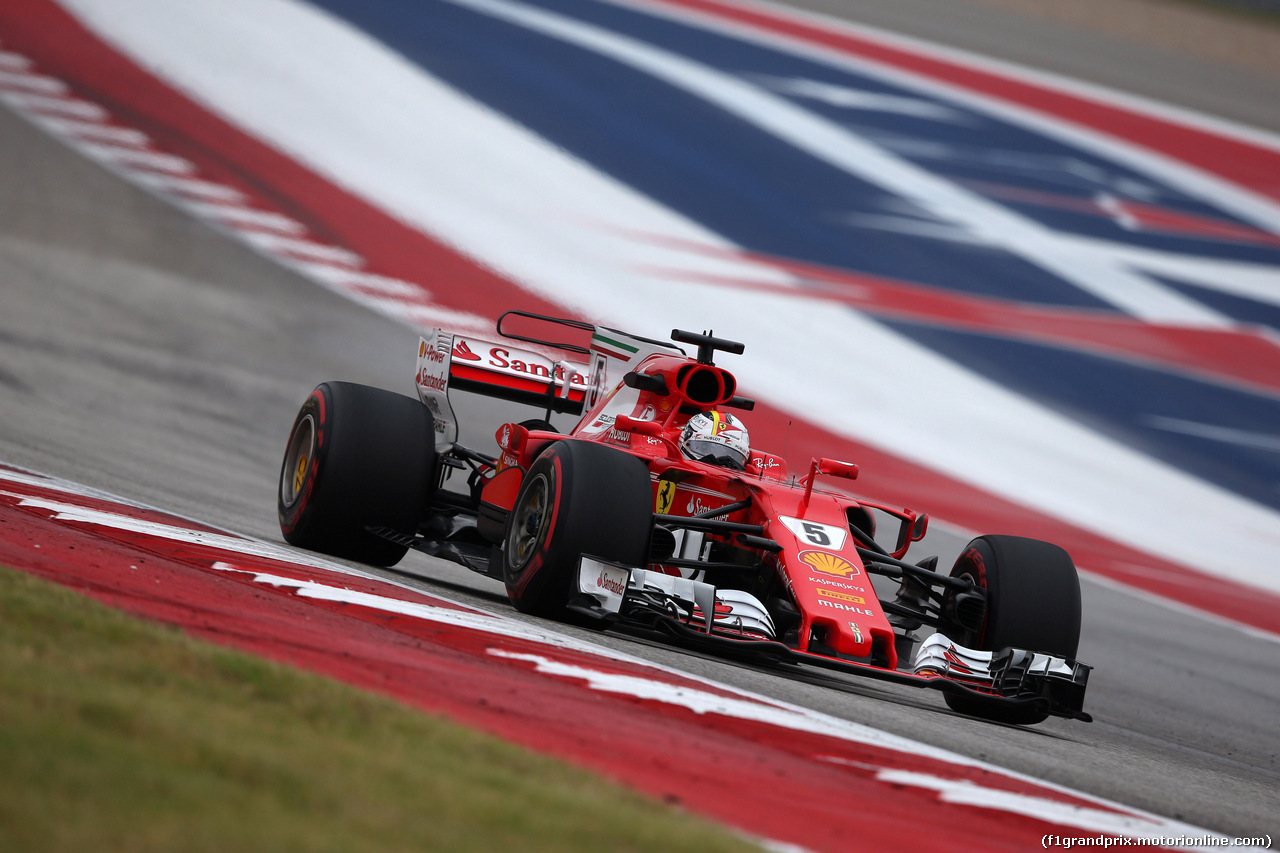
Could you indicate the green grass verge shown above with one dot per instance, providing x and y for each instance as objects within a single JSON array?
[{"x": 120, "y": 734}]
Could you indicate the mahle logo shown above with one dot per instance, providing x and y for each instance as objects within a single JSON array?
[{"x": 829, "y": 564}]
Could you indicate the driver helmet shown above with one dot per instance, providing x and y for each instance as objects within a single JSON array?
[{"x": 718, "y": 438}]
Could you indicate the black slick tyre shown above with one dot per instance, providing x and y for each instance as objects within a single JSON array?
[
  {"x": 357, "y": 457},
  {"x": 577, "y": 498},
  {"x": 1033, "y": 603}
]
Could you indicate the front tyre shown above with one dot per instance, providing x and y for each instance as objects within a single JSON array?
[
  {"x": 357, "y": 457},
  {"x": 1033, "y": 603},
  {"x": 577, "y": 498}
]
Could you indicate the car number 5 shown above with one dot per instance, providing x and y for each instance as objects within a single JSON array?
[{"x": 819, "y": 535}]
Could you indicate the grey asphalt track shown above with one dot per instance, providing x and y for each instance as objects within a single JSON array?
[{"x": 147, "y": 355}]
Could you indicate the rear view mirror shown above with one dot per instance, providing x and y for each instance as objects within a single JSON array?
[{"x": 912, "y": 529}]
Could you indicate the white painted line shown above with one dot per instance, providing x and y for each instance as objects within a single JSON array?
[
  {"x": 56, "y": 106},
  {"x": 424, "y": 317},
  {"x": 134, "y": 158},
  {"x": 1038, "y": 77},
  {"x": 71, "y": 512},
  {"x": 739, "y": 703},
  {"x": 1242, "y": 201},
  {"x": 245, "y": 217},
  {"x": 14, "y": 61},
  {"x": 193, "y": 187},
  {"x": 1268, "y": 441},
  {"x": 522, "y": 207},
  {"x": 1179, "y": 607},
  {"x": 1114, "y": 820},
  {"x": 860, "y": 99},
  {"x": 32, "y": 83},
  {"x": 92, "y": 130},
  {"x": 832, "y": 143},
  {"x": 966, "y": 793},
  {"x": 290, "y": 246},
  {"x": 373, "y": 283}
]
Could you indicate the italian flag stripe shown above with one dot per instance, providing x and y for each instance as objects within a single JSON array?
[{"x": 608, "y": 346}]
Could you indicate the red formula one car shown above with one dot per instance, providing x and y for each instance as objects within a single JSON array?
[{"x": 653, "y": 515}]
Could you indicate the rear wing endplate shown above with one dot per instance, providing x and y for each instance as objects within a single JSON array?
[
  {"x": 452, "y": 361},
  {"x": 432, "y": 381}
]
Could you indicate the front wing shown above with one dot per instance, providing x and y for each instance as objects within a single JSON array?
[{"x": 730, "y": 622}]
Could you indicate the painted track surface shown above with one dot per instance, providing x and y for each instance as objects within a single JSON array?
[
  {"x": 138, "y": 359},
  {"x": 602, "y": 709},
  {"x": 1075, "y": 392},
  {"x": 1009, "y": 451},
  {"x": 134, "y": 360}
]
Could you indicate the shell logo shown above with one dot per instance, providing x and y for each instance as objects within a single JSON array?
[{"x": 829, "y": 564}]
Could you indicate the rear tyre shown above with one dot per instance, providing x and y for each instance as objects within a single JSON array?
[
  {"x": 1033, "y": 603},
  {"x": 577, "y": 498},
  {"x": 357, "y": 457}
]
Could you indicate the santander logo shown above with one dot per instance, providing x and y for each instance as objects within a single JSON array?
[{"x": 612, "y": 585}]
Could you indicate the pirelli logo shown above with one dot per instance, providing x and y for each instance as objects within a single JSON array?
[{"x": 841, "y": 596}]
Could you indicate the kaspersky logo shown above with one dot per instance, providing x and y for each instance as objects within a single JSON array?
[{"x": 829, "y": 564}]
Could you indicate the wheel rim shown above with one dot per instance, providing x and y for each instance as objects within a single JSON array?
[
  {"x": 974, "y": 638},
  {"x": 530, "y": 522},
  {"x": 297, "y": 459}
]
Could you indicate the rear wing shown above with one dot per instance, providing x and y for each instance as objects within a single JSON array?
[{"x": 534, "y": 377}]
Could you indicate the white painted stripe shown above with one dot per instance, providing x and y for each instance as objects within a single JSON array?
[
  {"x": 955, "y": 791},
  {"x": 425, "y": 317},
  {"x": 32, "y": 83},
  {"x": 828, "y": 141},
  {"x": 309, "y": 249},
  {"x": 1045, "y": 79},
  {"x": 966, "y": 793},
  {"x": 540, "y": 217},
  {"x": 751, "y": 705},
  {"x": 348, "y": 279},
  {"x": 1269, "y": 441},
  {"x": 56, "y": 106},
  {"x": 405, "y": 302},
  {"x": 193, "y": 187},
  {"x": 92, "y": 130},
  {"x": 14, "y": 61},
  {"x": 1117, "y": 588},
  {"x": 246, "y": 217},
  {"x": 469, "y": 618},
  {"x": 72, "y": 512},
  {"x": 1242, "y": 201},
  {"x": 133, "y": 158},
  {"x": 860, "y": 99},
  {"x": 1259, "y": 282}
]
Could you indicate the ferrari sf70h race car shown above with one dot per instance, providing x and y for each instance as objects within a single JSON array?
[{"x": 617, "y": 525}]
